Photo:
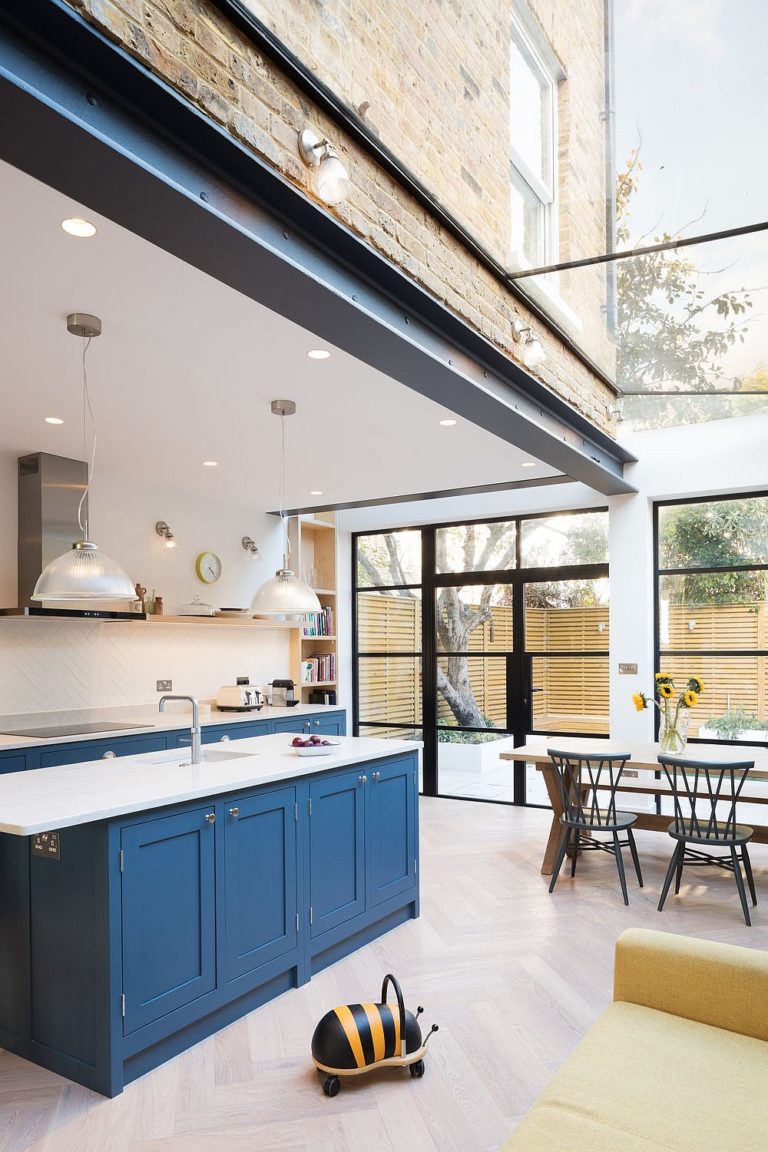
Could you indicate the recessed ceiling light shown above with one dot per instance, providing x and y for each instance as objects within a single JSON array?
[
  {"x": 528, "y": 464},
  {"x": 76, "y": 226},
  {"x": 318, "y": 354},
  {"x": 447, "y": 423},
  {"x": 210, "y": 463},
  {"x": 315, "y": 492},
  {"x": 53, "y": 420}
]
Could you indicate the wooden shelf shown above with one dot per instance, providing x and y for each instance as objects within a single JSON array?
[
  {"x": 317, "y": 637},
  {"x": 324, "y": 591},
  {"x": 225, "y": 622},
  {"x": 318, "y": 684}
]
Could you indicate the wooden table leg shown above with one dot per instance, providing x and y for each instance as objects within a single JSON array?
[{"x": 549, "y": 773}]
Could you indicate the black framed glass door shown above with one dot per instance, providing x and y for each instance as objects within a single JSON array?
[{"x": 474, "y": 636}]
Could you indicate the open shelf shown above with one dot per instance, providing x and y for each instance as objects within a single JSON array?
[{"x": 225, "y": 622}]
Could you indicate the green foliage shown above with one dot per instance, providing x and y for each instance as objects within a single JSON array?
[
  {"x": 734, "y": 723},
  {"x": 713, "y": 535},
  {"x": 454, "y": 735},
  {"x": 671, "y": 332}
]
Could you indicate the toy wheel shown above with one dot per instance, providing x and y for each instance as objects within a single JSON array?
[
  {"x": 331, "y": 1085},
  {"x": 417, "y": 1069}
]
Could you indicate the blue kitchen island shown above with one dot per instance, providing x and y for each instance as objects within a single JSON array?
[{"x": 146, "y": 903}]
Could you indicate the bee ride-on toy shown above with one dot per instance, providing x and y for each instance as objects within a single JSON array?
[{"x": 355, "y": 1038}]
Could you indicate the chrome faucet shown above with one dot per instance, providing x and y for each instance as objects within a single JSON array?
[{"x": 197, "y": 757}]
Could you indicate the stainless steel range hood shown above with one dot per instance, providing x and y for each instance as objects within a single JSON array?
[{"x": 50, "y": 489}]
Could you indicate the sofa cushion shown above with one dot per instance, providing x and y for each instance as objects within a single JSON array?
[{"x": 643, "y": 1079}]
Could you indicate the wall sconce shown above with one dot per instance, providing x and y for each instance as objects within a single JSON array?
[
  {"x": 333, "y": 182},
  {"x": 251, "y": 546},
  {"x": 533, "y": 349},
  {"x": 164, "y": 531},
  {"x": 691, "y": 625}
]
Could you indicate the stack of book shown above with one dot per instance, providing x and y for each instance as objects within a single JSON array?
[
  {"x": 320, "y": 667},
  {"x": 318, "y": 623}
]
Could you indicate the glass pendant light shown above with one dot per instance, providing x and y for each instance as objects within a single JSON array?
[
  {"x": 84, "y": 573},
  {"x": 284, "y": 594}
]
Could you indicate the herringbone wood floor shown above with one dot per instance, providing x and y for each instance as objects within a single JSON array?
[{"x": 512, "y": 975}]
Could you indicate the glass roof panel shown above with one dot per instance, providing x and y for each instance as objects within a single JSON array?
[{"x": 561, "y": 130}]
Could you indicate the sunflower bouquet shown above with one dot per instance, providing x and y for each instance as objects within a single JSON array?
[{"x": 673, "y": 708}]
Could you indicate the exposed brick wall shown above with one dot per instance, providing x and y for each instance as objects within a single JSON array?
[{"x": 446, "y": 128}]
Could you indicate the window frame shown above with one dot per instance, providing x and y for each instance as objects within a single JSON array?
[
  {"x": 527, "y": 39},
  {"x": 659, "y": 653}
]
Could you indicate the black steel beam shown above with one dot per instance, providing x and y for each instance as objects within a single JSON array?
[{"x": 80, "y": 114}]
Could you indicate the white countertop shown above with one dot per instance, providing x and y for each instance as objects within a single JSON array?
[
  {"x": 143, "y": 722},
  {"x": 50, "y": 798}
]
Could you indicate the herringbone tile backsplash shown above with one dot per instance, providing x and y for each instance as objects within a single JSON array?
[{"x": 57, "y": 665}]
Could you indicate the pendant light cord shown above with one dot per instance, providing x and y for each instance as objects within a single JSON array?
[
  {"x": 283, "y": 524},
  {"x": 87, "y": 410}
]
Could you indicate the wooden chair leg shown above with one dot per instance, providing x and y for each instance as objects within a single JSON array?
[
  {"x": 560, "y": 858},
  {"x": 750, "y": 877},
  {"x": 740, "y": 884},
  {"x": 680, "y": 847},
  {"x": 620, "y": 866},
  {"x": 575, "y": 841},
  {"x": 635, "y": 857}
]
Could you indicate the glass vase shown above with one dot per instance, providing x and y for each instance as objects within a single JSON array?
[{"x": 673, "y": 735}]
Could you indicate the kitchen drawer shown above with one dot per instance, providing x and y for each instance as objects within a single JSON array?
[
  {"x": 100, "y": 749},
  {"x": 212, "y": 734},
  {"x": 323, "y": 724},
  {"x": 17, "y": 761}
]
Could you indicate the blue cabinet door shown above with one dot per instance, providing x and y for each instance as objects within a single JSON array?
[
  {"x": 337, "y": 850},
  {"x": 18, "y": 761},
  {"x": 102, "y": 749},
  {"x": 259, "y": 880},
  {"x": 212, "y": 734},
  {"x": 333, "y": 725},
  {"x": 168, "y": 911},
  {"x": 391, "y": 819},
  {"x": 291, "y": 724},
  {"x": 328, "y": 724}
]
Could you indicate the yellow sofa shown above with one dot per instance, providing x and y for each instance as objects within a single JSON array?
[{"x": 678, "y": 1061}]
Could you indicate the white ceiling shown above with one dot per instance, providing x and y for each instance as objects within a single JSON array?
[{"x": 185, "y": 371}]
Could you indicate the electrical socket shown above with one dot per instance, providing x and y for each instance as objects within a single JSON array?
[{"x": 164, "y": 685}]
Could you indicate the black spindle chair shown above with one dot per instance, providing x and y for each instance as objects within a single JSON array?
[
  {"x": 702, "y": 785},
  {"x": 581, "y": 777}
]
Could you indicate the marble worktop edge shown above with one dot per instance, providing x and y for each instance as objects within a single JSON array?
[{"x": 67, "y": 795}]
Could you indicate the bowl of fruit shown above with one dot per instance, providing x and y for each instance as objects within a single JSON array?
[{"x": 313, "y": 746}]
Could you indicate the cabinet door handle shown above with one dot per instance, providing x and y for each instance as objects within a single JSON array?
[
  {"x": 234, "y": 813},
  {"x": 225, "y": 739},
  {"x": 210, "y": 817},
  {"x": 317, "y": 723},
  {"x": 109, "y": 755},
  {"x": 362, "y": 779},
  {"x": 377, "y": 776}
]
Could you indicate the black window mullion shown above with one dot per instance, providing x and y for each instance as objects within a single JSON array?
[{"x": 429, "y": 661}]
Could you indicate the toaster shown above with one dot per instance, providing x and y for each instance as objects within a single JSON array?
[{"x": 239, "y": 698}]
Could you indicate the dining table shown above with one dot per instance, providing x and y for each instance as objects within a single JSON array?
[{"x": 640, "y": 777}]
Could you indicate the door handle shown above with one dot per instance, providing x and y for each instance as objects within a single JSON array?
[
  {"x": 210, "y": 817},
  {"x": 234, "y": 813},
  {"x": 377, "y": 776},
  {"x": 109, "y": 756},
  {"x": 362, "y": 779}
]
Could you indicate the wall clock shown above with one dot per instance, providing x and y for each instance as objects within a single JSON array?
[{"x": 208, "y": 567}]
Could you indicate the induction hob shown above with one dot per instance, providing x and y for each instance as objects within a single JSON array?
[{"x": 74, "y": 729}]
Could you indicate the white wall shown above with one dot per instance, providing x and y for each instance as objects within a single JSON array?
[
  {"x": 719, "y": 458},
  {"x": 58, "y": 665}
]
